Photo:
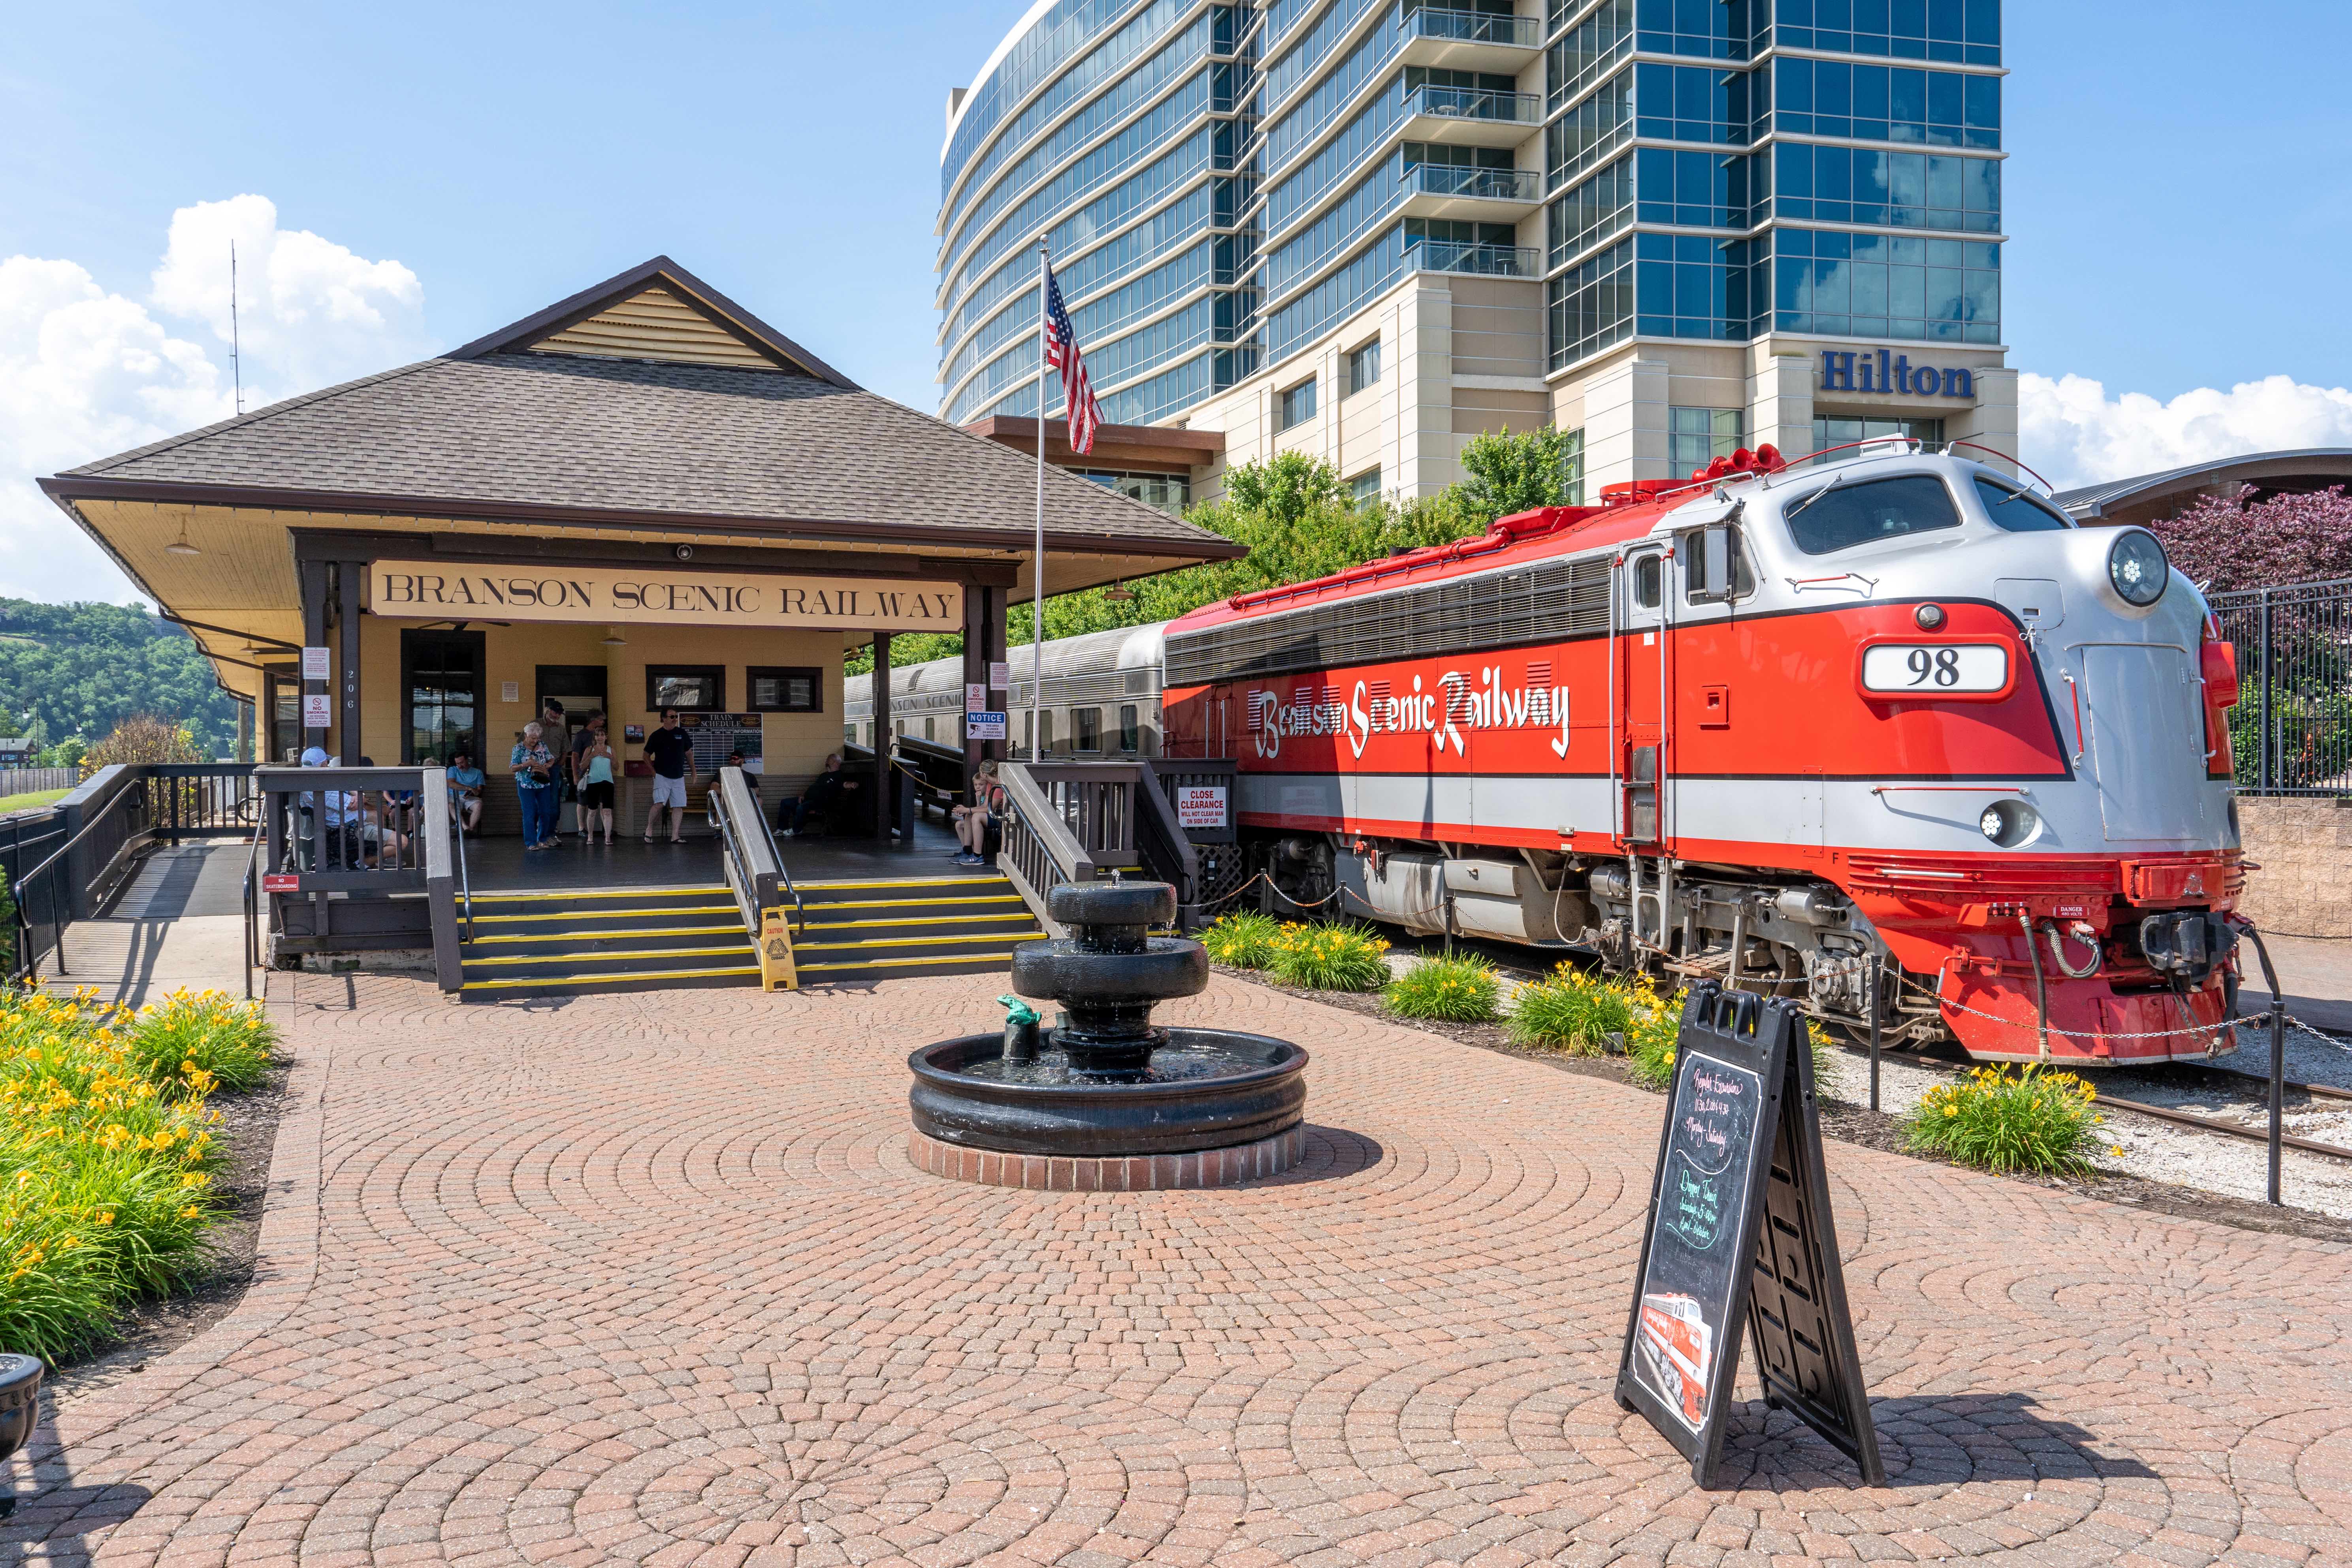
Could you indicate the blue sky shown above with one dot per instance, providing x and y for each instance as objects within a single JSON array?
[{"x": 2175, "y": 201}]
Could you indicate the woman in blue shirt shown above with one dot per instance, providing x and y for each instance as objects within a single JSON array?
[{"x": 534, "y": 775}]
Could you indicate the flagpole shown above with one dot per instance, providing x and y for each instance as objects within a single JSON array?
[{"x": 1037, "y": 568}]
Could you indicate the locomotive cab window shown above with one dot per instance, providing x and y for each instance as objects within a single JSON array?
[
  {"x": 2019, "y": 512},
  {"x": 1714, "y": 566},
  {"x": 1648, "y": 582},
  {"x": 1841, "y": 516}
]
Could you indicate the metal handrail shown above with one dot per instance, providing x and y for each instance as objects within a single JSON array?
[
  {"x": 1475, "y": 27},
  {"x": 1476, "y": 104},
  {"x": 33, "y": 963},
  {"x": 1473, "y": 259},
  {"x": 1471, "y": 180},
  {"x": 252, "y": 905},
  {"x": 465, "y": 882},
  {"x": 751, "y": 896}
]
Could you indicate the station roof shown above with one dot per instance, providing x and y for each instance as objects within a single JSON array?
[
  {"x": 2146, "y": 496},
  {"x": 648, "y": 406}
]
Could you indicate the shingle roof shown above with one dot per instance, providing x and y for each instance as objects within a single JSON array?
[
  {"x": 2094, "y": 499},
  {"x": 557, "y": 435}
]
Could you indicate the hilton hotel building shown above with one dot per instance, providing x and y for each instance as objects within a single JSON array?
[{"x": 1369, "y": 229}]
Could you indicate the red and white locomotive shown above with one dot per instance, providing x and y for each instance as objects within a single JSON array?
[{"x": 1793, "y": 728}]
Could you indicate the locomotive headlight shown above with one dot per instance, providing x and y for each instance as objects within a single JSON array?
[
  {"x": 2136, "y": 566},
  {"x": 2009, "y": 824}
]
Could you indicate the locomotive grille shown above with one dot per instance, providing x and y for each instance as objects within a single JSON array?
[{"x": 1541, "y": 603}]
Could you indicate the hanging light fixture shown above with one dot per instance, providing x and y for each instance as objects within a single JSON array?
[
  {"x": 180, "y": 546},
  {"x": 1118, "y": 593}
]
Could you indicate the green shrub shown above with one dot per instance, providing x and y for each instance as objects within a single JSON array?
[
  {"x": 1458, "y": 990},
  {"x": 2035, "y": 1121},
  {"x": 1570, "y": 1011},
  {"x": 204, "y": 1032},
  {"x": 1243, "y": 939},
  {"x": 7, "y": 926},
  {"x": 1649, "y": 1040},
  {"x": 108, "y": 1191},
  {"x": 1329, "y": 958}
]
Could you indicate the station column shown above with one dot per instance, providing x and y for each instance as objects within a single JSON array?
[{"x": 882, "y": 737}]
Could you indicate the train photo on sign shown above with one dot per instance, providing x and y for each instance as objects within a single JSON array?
[{"x": 1889, "y": 719}]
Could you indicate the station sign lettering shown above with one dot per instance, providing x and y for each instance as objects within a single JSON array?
[
  {"x": 1861, "y": 370},
  {"x": 433, "y": 590}
]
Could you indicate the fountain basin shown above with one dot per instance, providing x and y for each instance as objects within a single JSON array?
[{"x": 1251, "y": 1089}]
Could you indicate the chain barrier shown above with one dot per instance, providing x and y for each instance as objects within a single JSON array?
[{"x": 1935, "y": 995}]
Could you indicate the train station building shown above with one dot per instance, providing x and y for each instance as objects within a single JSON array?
[{"x": 641, "y": 497}]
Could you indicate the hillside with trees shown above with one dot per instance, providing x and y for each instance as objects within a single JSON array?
[
  {"x": 1299, "y": 522},
  {"x": 79, "y": 670}
]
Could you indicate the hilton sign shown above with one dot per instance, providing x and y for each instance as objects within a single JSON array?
[{"x": 1852, "y": 370}]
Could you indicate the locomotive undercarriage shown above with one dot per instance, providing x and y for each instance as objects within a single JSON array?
[{"x": 1775, "y": 936}]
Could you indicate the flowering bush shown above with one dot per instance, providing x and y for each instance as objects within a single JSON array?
[
  {"x": 2232, "y": 541},
  {"x": 108, "y": 1152},
  {"x": 1329, "y": 958},
  {"x": 1243, "y": 939},
  {"x": 1459, "y": 990},
  {"x": 2034, "y": 1120},
  {"x": 1571, "y": 1011},
  {"x": 207, "y": 1031}
]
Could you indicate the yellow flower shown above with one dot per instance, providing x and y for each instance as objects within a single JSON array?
[
  {"x": 1951, "y": 1110},
  {"x": 191, "y": 1212},
  {"x": 106, "y": 1216},
  {"x": 2118, "y": 1150}
]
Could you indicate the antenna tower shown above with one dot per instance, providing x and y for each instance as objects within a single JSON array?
[{"x": 236, "y": 364}]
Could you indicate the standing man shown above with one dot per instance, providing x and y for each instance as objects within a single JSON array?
[
  {"x": 670, "y": 749},
  {"x": 590, "y": 728},
  {"x": 557, "y": 737}
]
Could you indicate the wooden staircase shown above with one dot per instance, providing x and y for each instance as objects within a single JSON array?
[{"x": 569, "y": 941}]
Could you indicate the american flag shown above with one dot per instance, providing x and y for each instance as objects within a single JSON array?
[{"x": 1062, "y": 355}]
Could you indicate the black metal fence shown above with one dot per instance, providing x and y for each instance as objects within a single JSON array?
[{"x": 2292, "y": 729}]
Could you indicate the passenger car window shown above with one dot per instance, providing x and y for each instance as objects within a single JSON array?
[
  {"x": 1844, "y": 516},
  {"x": 2020, "y": 513}
]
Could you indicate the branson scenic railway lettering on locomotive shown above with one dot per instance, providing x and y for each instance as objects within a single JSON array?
[{"x": 1447, "y": 709}]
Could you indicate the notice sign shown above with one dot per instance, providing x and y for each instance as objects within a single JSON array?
[
  {"x": 1201, "y": 805},
  {"x": 984, "y": 726},
  {"x": 1000, "y": 676},
  {"x": 435, "y": 590},
  {"x": 1712, "y": 1266},
  {"x": 315, "y": 666},
  {"x": 975, "y": 696},
  {"x": 318, "y": 711}
]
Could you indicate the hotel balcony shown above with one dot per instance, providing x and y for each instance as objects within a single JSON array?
[
  {"x": 1471, "y": 40},
  {"x": 1477, "y": 196},
  {"x": 1473, "y": 260},
  {"x": 1472, "y": 117}
]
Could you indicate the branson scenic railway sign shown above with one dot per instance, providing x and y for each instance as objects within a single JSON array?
[{"x": 435, "y": 590}]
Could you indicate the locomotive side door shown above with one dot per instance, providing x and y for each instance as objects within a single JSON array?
[{"x": 1640, "y": 675}]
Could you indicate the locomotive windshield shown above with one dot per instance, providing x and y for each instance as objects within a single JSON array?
[
  {"x": 2018, "y": 511},
  {"x": 1844, "y": 516}
]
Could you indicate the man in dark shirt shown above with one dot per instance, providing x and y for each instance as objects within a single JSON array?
[
  {"x": 825, "y": 795},
  {"x": 670, "y": 749}
]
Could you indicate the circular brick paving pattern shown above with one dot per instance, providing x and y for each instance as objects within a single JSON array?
[{"x": 654, "y": 1280}]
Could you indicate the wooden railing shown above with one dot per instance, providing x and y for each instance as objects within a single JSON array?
[
  {"x": 1075, "y": 822},
  {"x": 358, "y": 860}
]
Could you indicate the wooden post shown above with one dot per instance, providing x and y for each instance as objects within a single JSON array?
[
  {"x": 975, "y": 673},
  {"x": 992, "y": 625},
  {"x": 882, "y": 737},
  {"x": 347, "y": 678}
]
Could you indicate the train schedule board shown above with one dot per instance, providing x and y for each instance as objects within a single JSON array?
[{"x": 1739, "y": 1243}]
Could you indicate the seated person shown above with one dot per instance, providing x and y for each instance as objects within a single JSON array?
[
  {"x": 826, "y": 795},
  {"x": 973, "y": 822},
  {"x": 465, "y": 791}
]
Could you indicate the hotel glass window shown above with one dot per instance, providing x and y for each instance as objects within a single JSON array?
[
  {"x": 1591, "y": 305},
  {"x": 1681, "y": 287},
  {"x": 1297, "y": 404},
  {"x": 1364, "y": 367},
  {"x": 786, "y": 690},
  {"x": 1889, "y": 286},
  {"x": 1883, "y": 103},
  {"x": 1828, "y": 432},
  {"x": 1365, "y": 488},
  {"x": 1169, "y": 492},
  {"x": 1961, "y": 32},
  {"x": 1696, "y": 436},
  {"x": 1130, "y": 729},
  {"x": 1088, "y": 724},
  {"x": 1572, "y": 468},
  {"x": 689, "y": 689}
]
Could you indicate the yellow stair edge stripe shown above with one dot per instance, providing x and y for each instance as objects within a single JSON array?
[
  {"x": 715, "y": 889},
  {"x": 913, "y": 903},
  {"x": 607, "y": 979},
  {"x": 913, "y": 920},
  {"x": 609, "y": 935},
  {"x": 996, "y": 936},
  {"x": 645, "y": 953},
  {"x": 904, "y": 963},
  {"x": 996, "y": 880},
  {"x": 613, "y": 914}
]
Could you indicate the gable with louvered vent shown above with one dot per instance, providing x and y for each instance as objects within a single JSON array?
[{"x": 657, "y": 324}]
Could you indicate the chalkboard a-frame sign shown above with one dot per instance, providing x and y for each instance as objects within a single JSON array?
[{"x": 1740, "y": 1228}]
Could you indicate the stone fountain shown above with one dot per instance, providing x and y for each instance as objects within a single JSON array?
[{"x": 1108, "y": 1101}]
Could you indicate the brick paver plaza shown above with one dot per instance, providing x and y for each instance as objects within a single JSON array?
[{"x": 650, "y": 1279}]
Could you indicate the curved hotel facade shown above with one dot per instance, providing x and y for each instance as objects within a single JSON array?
[{"x": 1369, "y": 229}]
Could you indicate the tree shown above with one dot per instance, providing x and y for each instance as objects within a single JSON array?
[
  {"x": 2232, "y": 541},
  {"x": 1512, "y": 473},
  {"x": 1285, "y": 490},
  {"x": 143, "y": 738},
  {"x": 79, "y": 668}
]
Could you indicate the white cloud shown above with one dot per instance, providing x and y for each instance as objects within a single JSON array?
[
  {"x": 2074, "y": 432},
  {"x": 86, "y": 373}
]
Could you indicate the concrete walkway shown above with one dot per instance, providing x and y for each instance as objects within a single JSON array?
[
  {"x": 180, "y": 921},
  {"x": 649, "y": 1279}
]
